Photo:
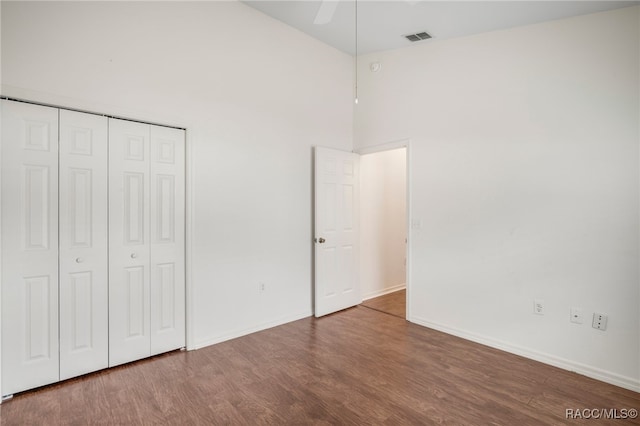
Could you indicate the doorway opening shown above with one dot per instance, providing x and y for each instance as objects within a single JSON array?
[{"x": 383, "y": 230}]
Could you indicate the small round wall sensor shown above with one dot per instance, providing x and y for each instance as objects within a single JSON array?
[{"x": 375, "y": 66}]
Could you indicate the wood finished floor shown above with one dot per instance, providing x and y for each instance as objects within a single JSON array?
[
  {"x": 393, "y": 303},
  {"x": 355, "y": 367}
]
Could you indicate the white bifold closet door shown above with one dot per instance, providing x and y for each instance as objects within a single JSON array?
[
  {"x": 54, "y": 245},
  {"x": 167, "y": 203},
  {"x": 84, "y": 315},
  {"x": 29, "y": 246},
  {"x": 146, "y": 240},
  {"x": 129, "y": 313},
  {"x": 92, "y": 243}
]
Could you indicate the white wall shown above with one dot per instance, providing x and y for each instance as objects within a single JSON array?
[
  {"x": 382, "y": 222},
  {"x": 524, "y": 174},
  {"x": 255, "y": 96}
]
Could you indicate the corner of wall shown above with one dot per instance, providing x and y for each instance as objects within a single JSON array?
[
  {"x": 565, "y": 364},
  {"x": 239, "y": 332}
]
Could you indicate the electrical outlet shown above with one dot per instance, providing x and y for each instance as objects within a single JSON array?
[
  {"x": 538, "y": 306},
  {"x": 261, "y": 287},
  {"x": 576, "y": 316},
  {"x": 600, "y": 321}
]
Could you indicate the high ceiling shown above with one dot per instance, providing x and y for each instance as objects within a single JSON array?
[{"x": 382, "y": 24}]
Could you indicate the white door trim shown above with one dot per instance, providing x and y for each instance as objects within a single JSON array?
[
  {"x": 402, "y": 143},
  {"x": 189, "y": 205},
  {"x": 1, "y": 396}
]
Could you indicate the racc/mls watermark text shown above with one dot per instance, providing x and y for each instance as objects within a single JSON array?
[{"x": 601, "y": 413}]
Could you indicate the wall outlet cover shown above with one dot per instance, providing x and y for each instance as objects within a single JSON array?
[{"x": 600, "y": 321}]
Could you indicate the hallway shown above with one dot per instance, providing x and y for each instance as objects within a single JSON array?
[{"x": 393, "y": 303}]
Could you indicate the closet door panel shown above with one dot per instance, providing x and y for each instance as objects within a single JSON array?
[
  {"x": 167, "y": 239},
  {"x": 84, "y": 316},
  {"x": 129, "y": 272},
  {"x": 29, "y": 246}
]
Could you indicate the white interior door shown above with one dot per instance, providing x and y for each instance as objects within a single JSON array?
[
  {"x": 29, "y": 246},
  {"x": 336, "y": 230},
  {"x": 129, "y": 314},
  {"x": 167, "y": 239},
  {"x": 84, "y": 291}
]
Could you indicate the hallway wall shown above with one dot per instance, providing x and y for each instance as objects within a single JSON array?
[{"x": 383, "y": 222}]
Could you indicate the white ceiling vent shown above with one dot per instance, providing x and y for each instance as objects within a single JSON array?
[{"x": 417, "y": 37}]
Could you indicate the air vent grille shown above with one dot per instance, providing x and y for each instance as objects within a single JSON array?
[{"x": 418, "y": 36}]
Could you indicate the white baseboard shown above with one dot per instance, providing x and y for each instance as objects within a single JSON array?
[
  {"x": 586, "y": 370},
  {"x": 384, "y": 291},
  {"x": 201, "y": 343}
]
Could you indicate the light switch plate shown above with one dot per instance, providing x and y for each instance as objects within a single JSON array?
[{"x": 577, "y": 316}]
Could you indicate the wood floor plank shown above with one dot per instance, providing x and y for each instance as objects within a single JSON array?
[
  {"x": 355, "y": 367},
  {"x": 392, "y": 303}
]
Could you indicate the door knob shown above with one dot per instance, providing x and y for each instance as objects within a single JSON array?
[
  {"x": 79, "y": 260},
  {"x": 134, "y": 255},
  {"x": 320, "y": 240}
]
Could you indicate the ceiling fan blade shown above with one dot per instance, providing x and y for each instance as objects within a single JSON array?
[{"x": 325, "y": 12}]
